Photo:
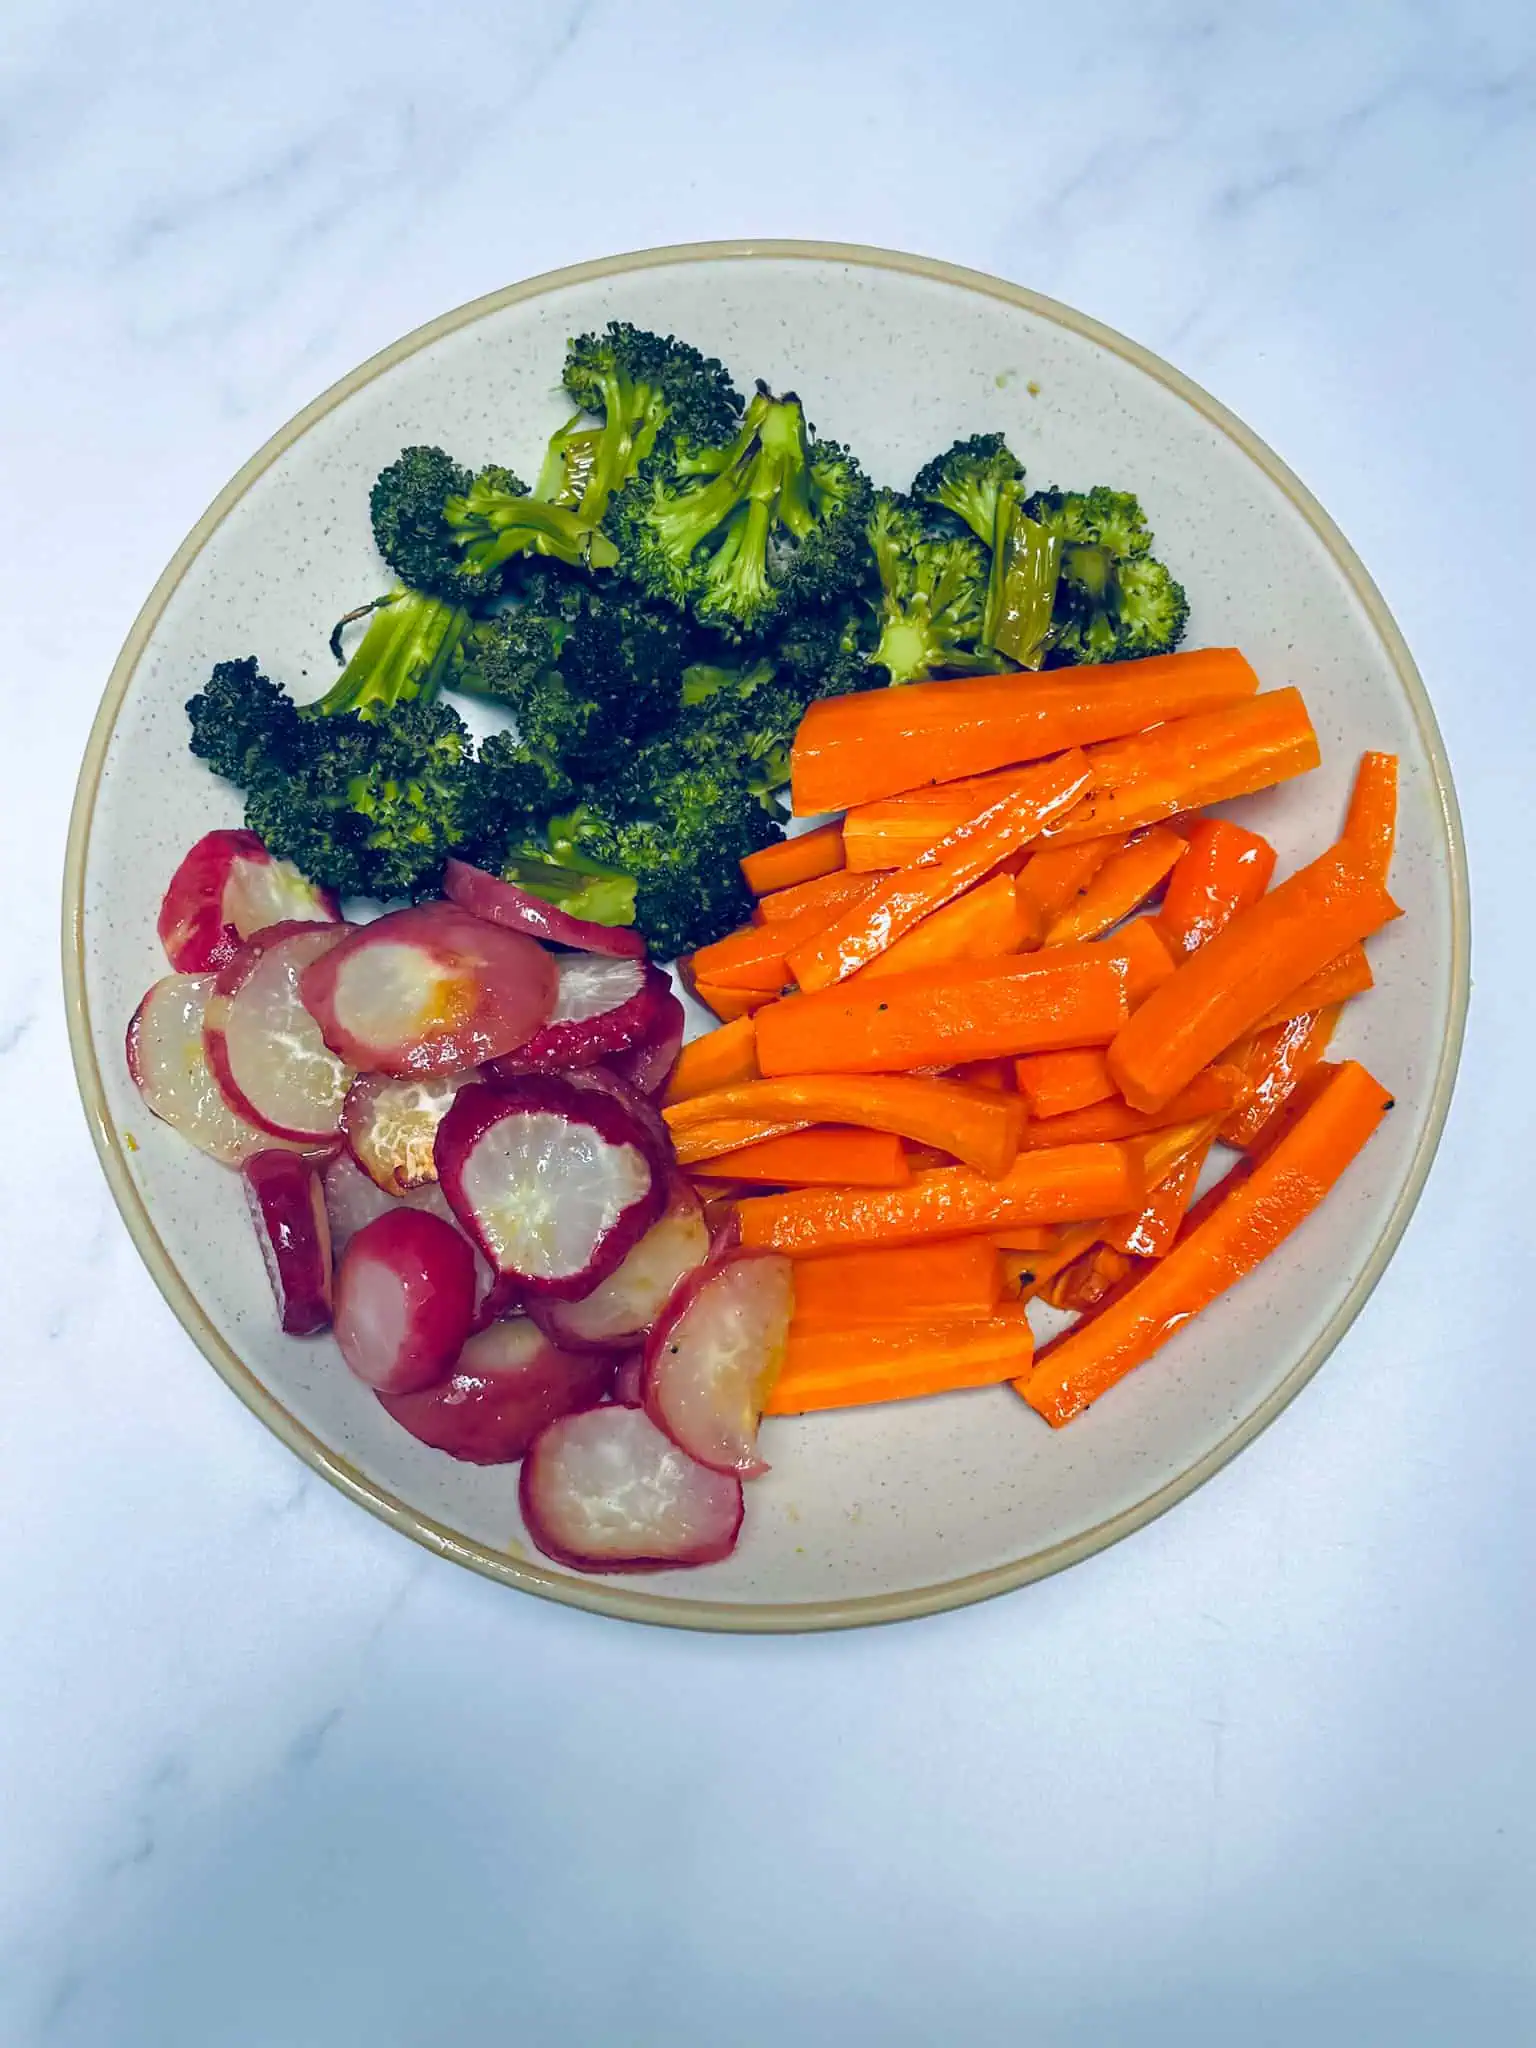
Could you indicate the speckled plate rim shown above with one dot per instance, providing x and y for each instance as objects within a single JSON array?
[{"x": 603, "y": 1596}]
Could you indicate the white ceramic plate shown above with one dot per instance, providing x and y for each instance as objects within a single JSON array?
[{"x": 865, "y": 1516}]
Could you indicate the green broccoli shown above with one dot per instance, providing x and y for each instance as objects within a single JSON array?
[
  {"x": 933, "y": 592},
  {"x": 496, "y": 520},
  {"x": 412, "y": 646},
  {"x": 744, "y": 532},
  {"x": 1114, "y": 601},
  {"x": 966, "y": 479},
  {"x": 411, "y": 533},
  {"x": 825, "y": 652}
]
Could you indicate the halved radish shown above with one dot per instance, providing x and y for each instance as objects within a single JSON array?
[
  {"x": 486, "y": 895},
  {"x": 405, "y": 1295},
  {"x": 430, "y": 990},
  {"x": 391, "y": 1125},
  {"x": 227, "y": 887},
  {"x": 264, "y": 1048},
  {"x": 628, "y": 1387},
  {"x": 647, "y": 1065},
  {"x": 601, "y": 1006},
  {"x": 711, "y": 1361},
  {"x": 606, "y": 1491},
  {"x": 508, "y": 1383},
  {"x": 553, "y": 1182},
  {"x": 620, "y": 1309},
  {"x": 170, "y": 1070},
  {"x": 288, "y": 1207}
]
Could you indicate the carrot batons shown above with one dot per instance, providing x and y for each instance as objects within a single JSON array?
[
  {"x": 1053, "y": 876},
  {"x": 829, "y": 1156},
  {"x": 1225, "y": 869},
  {"x": 1274, "y": 1061},
  {"x": 1370, "y": 825},
  {"x": 1053, "y": 1083},
  {"x": 1344, "y": 977},
  {"x": 718, "y": 1060},
  {"x": 853, "y": 1366},
  {"x": 1124, "y": 881},
  {"x": 956, "y": 1278},
  {"x": 835, "y": 891},
  {"x": 982, "y": 925},
  {"x": 1215, "y": 1091},
  {"x": 730, "y": 1003},
  {"x": 804, "y": 858},
  {"x": 974, "y": 1125}
]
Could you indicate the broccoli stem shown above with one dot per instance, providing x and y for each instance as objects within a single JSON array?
[
  {"x": 1021, "y": 590},
  {"x": 405, "y": 654}
]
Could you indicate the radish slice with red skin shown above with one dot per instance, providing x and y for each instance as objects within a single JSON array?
[
  {"x": 553, "y": 1182},
  {"x": 507, "y": 1384},
  {"x": 353, "y": 1200},
  {"x": 288, "y": 1208},
  {"x": 629, "y": 1381},
  {"x": 487, "y": 895},
  {"x": 227, "y": 887},
  {"x": 601, "y": 1006},
  {"x": 265, "y": 1050},
  {"x": 712, "y": 1359},
  {"x": 170, "y": 1070},
  {"x": 391, "y": 1125},
  {"x": 405, "y": 1296},
  {"x": 646, "y": 1067},
  {"x": 619, "y": 1310},
  {"x": 430, "y": 990},
  {"x": 606, "y": 1491},
  {"x": 603, "y": 1081}
]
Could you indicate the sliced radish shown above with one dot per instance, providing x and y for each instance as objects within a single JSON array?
[
  {"x": 711, "y": 1361},
  {"x": 620, "y": 1309},
  {"x": 170, "y": 1070},
  {"x": 646, "y": 1066},
  {"x": 391, "y": 1125},
  {"x": 486, "y": 895},
  {"x": 265, "y": 1049},
  {"x": 553, "y": 1182},
  {"x": 508, "y": 1383},
  {"x": 430, "y": 990},
  {"x": 353, "y": 1200},
  {"x": 628, "y": 1387},
  {"x": 602, "y": 1080},
  {"x": 606, "y": 1491},
  {"x": 288, "y": 1207},
  {"x": 601, "y": 1006},
  {"x": 227, "y": 887},
  {"x": 405, "y": 1296}
]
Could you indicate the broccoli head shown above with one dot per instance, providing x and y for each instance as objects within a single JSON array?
[
  {"x": 933, "y": 593},
  {"x": 496, "y": 520},
  {"x": 411, "y": 533},
  {"x": 966, "y": 479},
  {"x": 825, "y": 652},
  {"x": 245, "y": 726},
  {"x": 1114, "y": 601}
]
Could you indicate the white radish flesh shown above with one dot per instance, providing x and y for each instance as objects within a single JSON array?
[
  {"x": 606, "y": 1491},
  {"x": 288, "y": 1208},
  {"x": 405, "y": 1296},
  {"x": 601, "y": 1006},
  {"x": 391, "y": 1126},
  {"x": 227, "y": 887},
  {"x": 170, "y": 1070},
  {"x": 620, "y": 1309},
  {"x": 264, "y": 1048},
  {"x": 712, "y": 1359},
  {"x": 507, "y": 1384}
]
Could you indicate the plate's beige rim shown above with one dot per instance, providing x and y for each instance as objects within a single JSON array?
[{"x": 604, "y": 1596}]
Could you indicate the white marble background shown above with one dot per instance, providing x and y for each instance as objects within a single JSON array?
[{"x": 269, "y": 1776}]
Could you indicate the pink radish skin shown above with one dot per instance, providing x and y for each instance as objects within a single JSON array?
[
  {"x": 606, "y": 1491},
  {"x": 263, "y": 1047},
  {"x": 645, "y": 1067},
  {"x": 391, "y": 1126},
  {"x": 486, "y": 895},
  {"x": 711, "y": 1360},
  {"x": 553, "y": 1182},
  {"x": 620, "y": 1309},
  {"x": 602, "y": 1080},
  {"x": 405, "y": 1296},
  {"x": 629, "y": 1381},
  {"x": 508, "y": 1383},
  {"x": 170, "y": 1069},
  {"x": 353, "y": 1200},
  {"x": 601, "y": 1006},
  {"x": 288, "y": 1208},
  {"x": 430, "y": 990},
  {"x": 227, "y": 887}
]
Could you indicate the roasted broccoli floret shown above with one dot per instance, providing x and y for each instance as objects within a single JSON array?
[
  {"x": 933, "y": 593},
  {"x": 1114, "y": 600},
  {"x": 411, "y": 532},
  {"x": 825, "y": 652},
  {"x": 412, "y": 646},
  {"x": 965, "y": 480},
  {"x": 743, "y": 532},
  {"x": 496, "y": 520}
]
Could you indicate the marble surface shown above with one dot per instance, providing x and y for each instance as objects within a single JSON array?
[{"x": 272, "y": 1778}]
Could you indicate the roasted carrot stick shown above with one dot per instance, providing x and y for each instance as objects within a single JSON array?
[
  {"x": 851, "y": 1367},
  {"x": 879, "y": 742},
  {"x": 835, "y": 891},
  {"x": 1225, "y": 869},
  {"x": 1052, "y": 1083},
  {"x": 977, "y": 1127},
  {"x": 1347, "y": 975},
  {"x": 984, "y": 924},
  {"x": 1088, "y": 1278},
  {"x": 1223, "y": 991},
  {"x": 985, "y": 1009},
  {"x": 717, "y": 1060},
  {"x": 1150, "y": 1232},
  {"x": 1025, "y": 1237},
  {"x": 1059, "y": 1186},
  {"x": 729, "y": 1003},
  {"x": 1123, "y": 883},
  {"x": 959, "y": 1277},
  {"x": 996, "y": 1075},
  {"x": 963, "y": 858},
  {"x": 802, "y": 859},
  {"x": 1215, "y": 1091},
  {"x": 1274, "y": 1060},
  {"x": 1139, "y": 952},
  {"x": 1030, "y": 1273},
  {"x": 755, "y": 957},
  {"x": 1370, "y": 825},
  {"x": 824, "y": 1156},
  {"x": 1053, "y": 876},
  {"x": 1257, "y": 1210}
]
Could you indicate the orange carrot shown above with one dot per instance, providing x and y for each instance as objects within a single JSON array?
[
  {"x": 850, "y": 1367},
  {"x": 1274, "y": 1061},
  {"x": 1122, "y": 883},
  {"x": 959, "y": 1277},
  {"x": 835, "y": 891},
  {"x": 1256, "y": 1211},
  {"x": 1139, "y": 952},
  {"x": 986, "y": 1009},
  {"x": 1371, "y": 823},
  {"x": 964, "y": 857},
  {"x": 729, "y": 1003},
  {"x": 1225, "y": 869},
  {"x": 975, "y": 1126},
  {"x": 755, "y": 957},
  {"x": 1031, "y": 1273},
  {"x": 984, "y": 924},
  {"x": 1052, "y": 1083},
  {"x": 1059, "y": 1186},
  {"x": 1222, "y": 991},
  {"x": 879, "y": 742},
  {"x": 1086, "y": 1280},
  {"x": 997, "y": 1075},
  {"x": 823, "y": 1156},
  {"x": 1215, "y": 1091},
  {"x": 1024, "y": 1237},
  {"x": 804, "y": 858},
  {"x": 1150, "y": 1232},
  {"x": 1054, "y": 876},
  {"x": 717, "y": 1060},
  {"x": 1349, "y": 974}
]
